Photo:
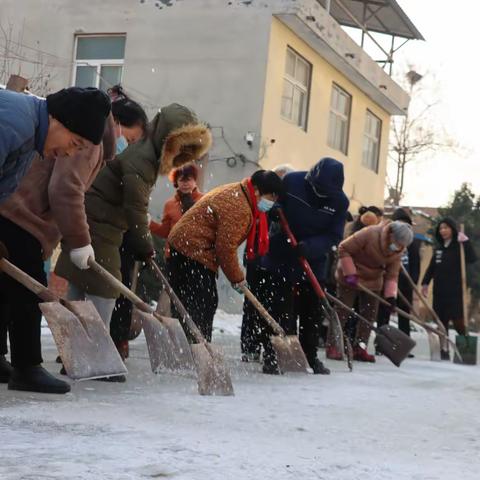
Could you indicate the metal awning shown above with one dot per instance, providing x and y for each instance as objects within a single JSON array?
[{"x": 381, "y": 16}]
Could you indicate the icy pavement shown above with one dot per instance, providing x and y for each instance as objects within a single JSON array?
[{"x": 419, "y": 422}]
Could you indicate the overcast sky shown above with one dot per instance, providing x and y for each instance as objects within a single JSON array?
[{"x": 450, "y": 55}]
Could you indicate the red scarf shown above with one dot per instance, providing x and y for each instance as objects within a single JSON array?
[{"x": 260, "y": 219}]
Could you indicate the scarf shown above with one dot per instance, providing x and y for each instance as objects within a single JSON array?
[{"x": 260, "y": 220}]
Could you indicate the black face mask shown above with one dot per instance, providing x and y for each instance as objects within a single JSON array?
[{"x": 186, "y": 200}]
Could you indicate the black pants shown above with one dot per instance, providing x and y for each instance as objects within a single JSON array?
[
  {"x": 250, "y": 340},
  {"x": 122, "y": 314},
  {"x": 196, "y": 287},
  {"x": 296, "y": 308},
  {"x": 19, "y": 310},
  {"x": 383, "y": 317}
]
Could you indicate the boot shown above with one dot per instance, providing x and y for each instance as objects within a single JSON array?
[
  {"x": 319, "y": 368},
  {"x": 361, "y": 355},
  {"x": 251, "y": 357},
  {"x": 123, "y": 349},
  {"x": 36, "y": 379},
  {"x": 271, "y": 369},
  {"x": 445, "y": 355},
  {"x": 5, "y": 370},
  {"x": 333, "y": 353}
]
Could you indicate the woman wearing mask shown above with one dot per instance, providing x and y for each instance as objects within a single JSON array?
[
  {"x": 445, "y": 271},
  {"x": 208, "y": 235},
  {"x": 371, "y": 257},
  {"x": 130, "y": 119},
  {"x": 118, "y": 201}
]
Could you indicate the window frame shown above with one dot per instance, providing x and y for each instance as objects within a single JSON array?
[
  {"x": 98, "y": 64},
  {"x": 337, "y": 88},
  {"x": 299, "y": 86},
  {"x": 378, "y": 140}
]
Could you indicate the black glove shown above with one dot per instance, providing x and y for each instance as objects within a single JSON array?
[
  {"x": 393, "y": 304},
  {"x": 145, "y": 257},
  {"x": 301, "y": 250},
  {"x": 187, "y": 201},
  {"x": 3, "y": 251}
]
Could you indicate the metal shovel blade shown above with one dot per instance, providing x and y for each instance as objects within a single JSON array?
[
  {"x": 212, "y": 375},
  {"x": 84, "y": 344},
  {"x": 290, "y": 355},
  {"x": 163, "y": 305},
  {"x": 167, "y": 344},
  {"x": 434, "y": 344}
]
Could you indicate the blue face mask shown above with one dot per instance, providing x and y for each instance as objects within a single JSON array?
[
  {"x": 265, "y": 205},
  {"x": 122, "y": 144}
]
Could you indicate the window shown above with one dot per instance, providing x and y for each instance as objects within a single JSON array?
[
  {"x": 99, "y": 61},
  {"x": 371, "y": 141},
  {"x": 339, "y": 125},
  {"x": 296, "y": 89}
]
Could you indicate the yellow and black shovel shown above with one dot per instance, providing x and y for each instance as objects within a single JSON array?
[{"x": 84, "y": 344}]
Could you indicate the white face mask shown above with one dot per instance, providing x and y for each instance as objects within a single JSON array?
[
  {"x": 394, "y": 248},
  {"x": 122, "y": 144},
  {"x": 265, "y": 205}
]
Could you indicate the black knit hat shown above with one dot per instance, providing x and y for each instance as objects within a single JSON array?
[{"x": 81, "y": 110}]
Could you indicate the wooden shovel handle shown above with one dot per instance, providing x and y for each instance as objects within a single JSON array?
[
  {"x": 27, "y": 281},
  {"x": 273, "y": 324},
  {"x": 195, "y": 331},
  {"x": 423, "y": 299},
  {"x": 135, "y": 274},
  {"x": 125, "y": 291}
]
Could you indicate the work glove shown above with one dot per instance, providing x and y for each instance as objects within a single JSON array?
[
  {"x": 425, "y": 290},
  {"x": 462, "y": 238},
  {"x": 393, "y": 304},
  {"x": 80, "y": 256},
  {"x": 238, "y": 286},
  {"x": 3, "y": 251},
  {"x": 301, "y": 250},
  {"x": 351, "y": 280}
]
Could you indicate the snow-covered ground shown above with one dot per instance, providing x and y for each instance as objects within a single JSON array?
[{"x": 418, "y": 422}]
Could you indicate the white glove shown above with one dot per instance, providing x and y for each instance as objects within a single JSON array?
[{"x": 80, "y": 256}]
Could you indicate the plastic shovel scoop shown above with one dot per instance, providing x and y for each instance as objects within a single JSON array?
[{"x": 84, "y": 344}]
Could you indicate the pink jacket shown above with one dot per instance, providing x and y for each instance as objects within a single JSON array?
[
  {"x": 366, "y": 254},
  {"x": 49, "y": 203}
]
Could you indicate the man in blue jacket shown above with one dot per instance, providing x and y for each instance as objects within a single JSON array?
[
  {"x": 60, "y": 125},
  {"x": 316, "y": 208}
]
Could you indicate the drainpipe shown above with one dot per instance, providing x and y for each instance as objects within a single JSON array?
[{"x": 327, "y": 6}]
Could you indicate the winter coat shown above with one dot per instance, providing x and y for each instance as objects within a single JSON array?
[
  {"x": 316, "y": 208},
  {"x": 50, "y": 201},
  {"x": 445, "y": 271},
  {"x": 118, "y": 199},
  {"x": 367, "y": 255},
  {"x": 411, "y": 261},
  {"x": 213, "y": 229},
  {"x": 23, "y": 131}
]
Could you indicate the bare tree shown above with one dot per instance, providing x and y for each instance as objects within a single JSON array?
[
  {"x": 18, "y": 59},
  {"x": 415, "y": 134}
]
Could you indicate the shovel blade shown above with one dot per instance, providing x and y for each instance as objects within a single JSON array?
[
  {"x": 434, "y": 344},
  {"x": 84, "y": 344},
  {"x": 163, "y": 305},
  {"x": 213, "y": 376},
  {"x": 290, "y": 355},
  {"x": 167, "y": 345},
  {"x": 467, "y": 347},
  {"x": 394, "y": 344}
]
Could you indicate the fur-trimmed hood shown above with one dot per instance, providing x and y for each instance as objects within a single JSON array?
[{"x": 178, "y": 137}]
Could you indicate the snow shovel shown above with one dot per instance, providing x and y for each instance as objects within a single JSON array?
[
  {"x": 166, "y": 340},
  {"x": 433, "y": 340},
  {"x": 390, "y": 341},
  {"x": 466, "y": 344},
  {"x": 84, "y": 344},
  {"x": 213, "y": 375},
  {"x": 412, "y": 318},
  {"x": 290, "y": 355},
  {"x": 336, "y": 332}
]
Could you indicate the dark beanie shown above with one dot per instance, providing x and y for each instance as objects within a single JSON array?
[
  {"x": 81, "y": 110},
  {"x": 402, "y": 215}
]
